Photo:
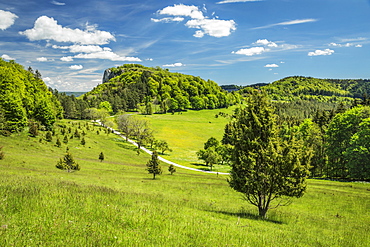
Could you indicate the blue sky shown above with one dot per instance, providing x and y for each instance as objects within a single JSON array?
[{"x": 228, "y": 41}]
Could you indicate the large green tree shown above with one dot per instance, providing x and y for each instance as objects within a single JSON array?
[
  {"x": 266, "y": 167},
  {"x": 338, "y": 138},
  {"x": 358, "y": 152}
]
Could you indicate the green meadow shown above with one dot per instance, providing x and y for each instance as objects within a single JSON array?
[
  {"x": 116, "y": 202},
  {"x": 186, "y": 133}
]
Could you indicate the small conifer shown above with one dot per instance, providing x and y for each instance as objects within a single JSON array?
[
  {"x": 2, "y": 154},
  {"x": 153, "y": 165},
  {"x": 58, "y": 143},
  {"x": 49, "y": 137},
  {"x": 65, "y": 139},
  {"x": 172, "y": 169},
  {"x": 83, "y": 142},
  {"x": 101, "y": 156},
  {"x": 68, "y": 163}
]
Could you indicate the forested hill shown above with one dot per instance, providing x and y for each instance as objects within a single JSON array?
[
  {"x": 24, "y": 98},
  {"x": 309, "y": 87},
  {"x": 157, "y": 90}
]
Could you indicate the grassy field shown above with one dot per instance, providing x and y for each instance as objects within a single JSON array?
[
  {"x": 187, "y": 132},
  {"x": 116, "y": 203}
]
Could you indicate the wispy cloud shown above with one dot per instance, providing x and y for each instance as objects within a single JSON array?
[
  {"x": 58, "y": 3},
  {"x": 168, "y": 19},
  {"x": 264, "y": 45},
  {"x": 286, "y": 23},
  {"x": 173, "y": 65},
  {"x": 237, "y": 1},
  {"x": 107, "y": 54},
  {"x": 7, "y": 19},
  {"x": 345, "y": 45}
]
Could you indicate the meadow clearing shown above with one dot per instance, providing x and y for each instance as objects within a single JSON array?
[{"x": 116, "y": 202}]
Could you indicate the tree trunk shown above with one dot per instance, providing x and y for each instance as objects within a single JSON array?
[{"x": 262, "y": 211}]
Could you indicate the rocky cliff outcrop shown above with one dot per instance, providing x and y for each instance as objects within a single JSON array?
[{"x": 109, "y": 74}]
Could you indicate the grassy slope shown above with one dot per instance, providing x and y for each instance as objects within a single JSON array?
[
  {"x": 115, "y": 203},
  {"x": 187, "y": 132}
]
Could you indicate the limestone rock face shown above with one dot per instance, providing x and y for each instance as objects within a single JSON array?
[{"x": 108, "y": 74}]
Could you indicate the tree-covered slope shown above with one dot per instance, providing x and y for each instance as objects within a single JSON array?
[
  {"x": 158, "y": 90},
  {"x": 24, "y": 96},
  {"x": 299, "y": 85},
  {"x": 290, "y": 88}
]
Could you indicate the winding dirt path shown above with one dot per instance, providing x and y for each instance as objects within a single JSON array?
[{"x": 159, "y": 157}]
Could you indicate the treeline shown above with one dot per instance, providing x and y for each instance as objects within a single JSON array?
[
  {"x": 308, "y": 88},
  {"x": 155, "y": 90},
  {"x": 338, "y": 140},
  {"x": 25, "y": 99}
]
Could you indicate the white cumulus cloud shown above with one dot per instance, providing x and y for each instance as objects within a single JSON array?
[
  {"x": 321, "y": 52},
  {"x": 66, "y": 59},
  {"x": 42, "y": 59},
  {"x": 76, "y": 67},
  {"x": 6, "y": 19},
  {"x": 212, "y": 27},
  {"x": 6, "y": 57},
  {"x": 46, "y": 28},
  {"x": 273, "y": 65},
  {"x": 174, "y": 65},
  {"x": 266, "y": 43},
  {"x": 182, "y": 10},
  {"x": 250, "y": 51}
]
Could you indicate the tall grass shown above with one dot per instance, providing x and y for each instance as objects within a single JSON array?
[{"x": 116, "y": 203}]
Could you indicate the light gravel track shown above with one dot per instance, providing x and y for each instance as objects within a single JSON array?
[{"x": 159, "y": 157}]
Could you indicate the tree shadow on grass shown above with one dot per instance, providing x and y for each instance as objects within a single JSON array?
[
  {"x": 150, "y": 179},
  {"x": 246, "y": 215},
  {"x": 200, "y": 166},
  {"x": 125, "y": 145}
]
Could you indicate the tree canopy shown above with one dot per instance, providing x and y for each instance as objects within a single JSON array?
[
  {"x": 265, "y": 166},
  {"x": 25, "y": 96},
  {"x": 132, "y": 85}
]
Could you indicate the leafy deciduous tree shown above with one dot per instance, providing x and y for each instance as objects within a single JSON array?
[
  {"x": 172, "y": 169},
  {"x": 162, "y": 146}
]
